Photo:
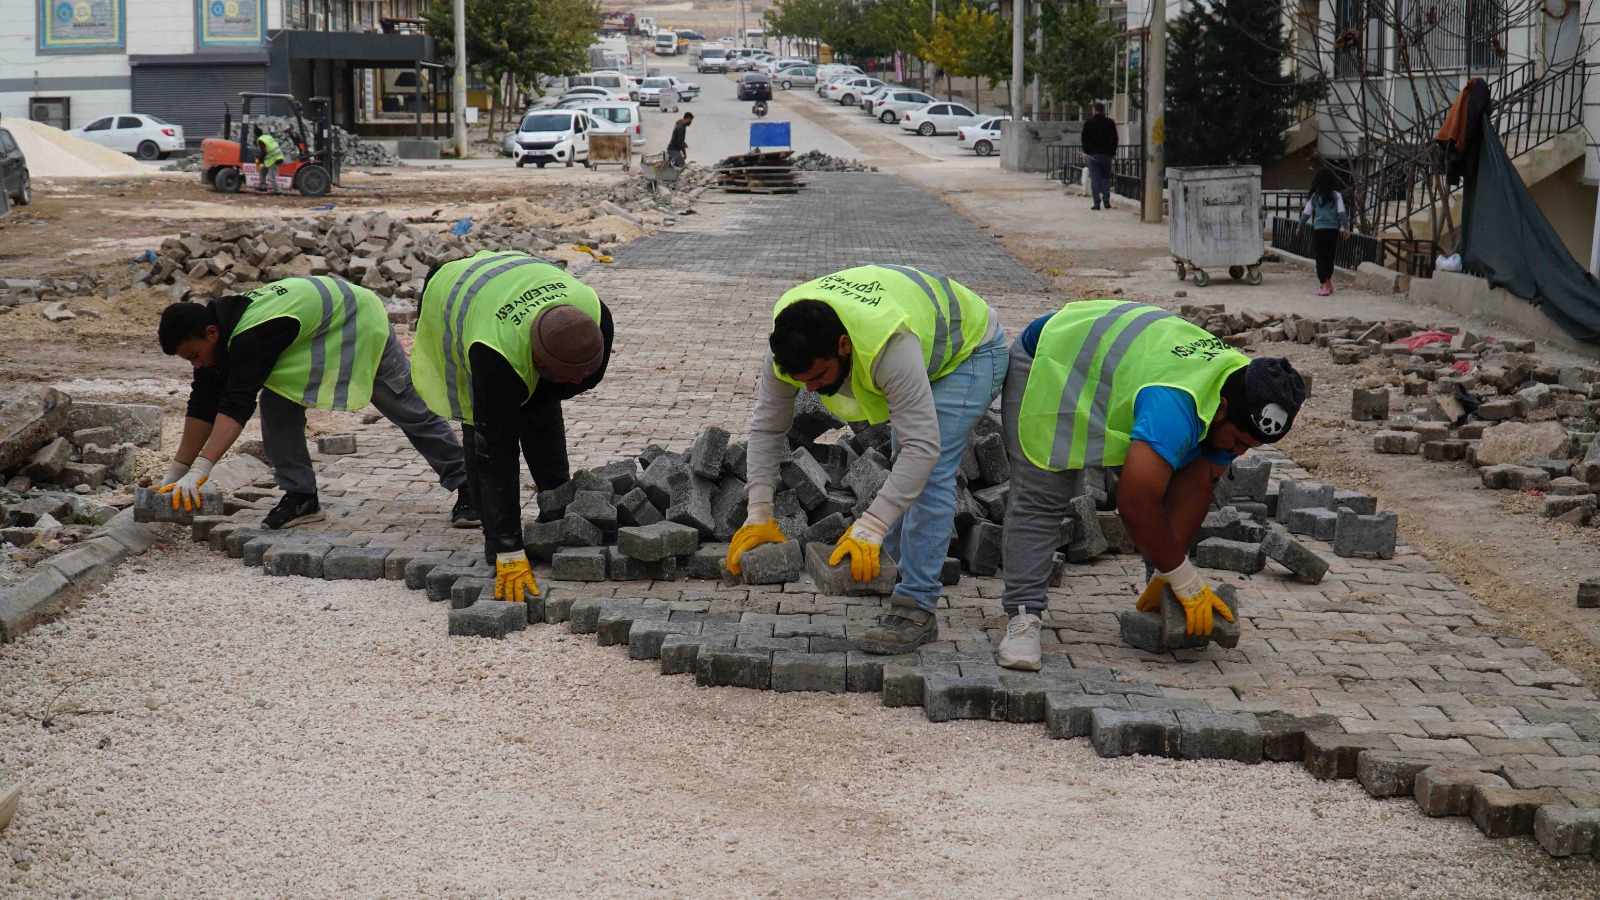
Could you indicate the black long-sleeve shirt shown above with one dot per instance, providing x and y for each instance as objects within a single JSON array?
[
  {"x": 1100, "y": 136},
  {"x": 680, "y": 137},
  {"x": 231, "y": 384},
  {"x": 505, "y": 424}
]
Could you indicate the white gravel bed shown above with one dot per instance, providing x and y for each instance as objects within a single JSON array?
[{"x": 220, "y": 733}]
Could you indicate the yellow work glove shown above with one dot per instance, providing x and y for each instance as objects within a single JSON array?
[
  {"x": 861, "y": 543},
  {"x": 1199, "y": 602},
  {"x": 186, "y": 490},
  {"x": 1150, "y": 600},
  {"x": 513, "y": 577},
  {"x": 759, "y": 529}
]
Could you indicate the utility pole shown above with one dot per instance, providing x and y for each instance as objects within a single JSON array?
[
  {"x": 460, "y": 79},
  {"x": 1155, "y": 108},
  {"x": 1019, "y": 12}
]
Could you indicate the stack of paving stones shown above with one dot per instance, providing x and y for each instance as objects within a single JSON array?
[{"x": 353, "y": 151}]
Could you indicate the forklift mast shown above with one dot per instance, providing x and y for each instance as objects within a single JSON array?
[{"x": 323, "y": 144}]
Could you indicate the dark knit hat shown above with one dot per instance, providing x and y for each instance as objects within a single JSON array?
[
  {"x": 1264, "y": 398},
  {"x": 567, "y": 344}
]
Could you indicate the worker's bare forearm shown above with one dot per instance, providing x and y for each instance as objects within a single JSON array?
[
  {"x": 1189, "y": 499},
  {"x": 195, "y": 432},
  {"x": 1146, "y": 523},
  {"x": 223, "y": 434}
]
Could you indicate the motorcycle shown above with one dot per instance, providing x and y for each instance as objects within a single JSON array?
[{"x": 760, "y": 109}]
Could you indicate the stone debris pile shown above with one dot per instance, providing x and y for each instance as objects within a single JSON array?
[
  {"x": 817, "y": 161},
  {"x": 16, "y": 292},
  {"x": 353, "y": 150}
]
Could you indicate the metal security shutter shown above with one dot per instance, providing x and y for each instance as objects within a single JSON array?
[{"x": 194, "y": 96}]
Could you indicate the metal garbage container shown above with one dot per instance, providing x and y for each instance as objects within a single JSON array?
[{"x": 1215, "y": 222}]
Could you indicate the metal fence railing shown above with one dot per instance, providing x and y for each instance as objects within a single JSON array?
[
  {"x": 1069, "y": 165},
  {"x": 1405, "y": 255}
]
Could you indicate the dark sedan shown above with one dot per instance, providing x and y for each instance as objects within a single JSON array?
[
  {"x": 15, "y": 186},
  {"x": 755, "y": 86}
]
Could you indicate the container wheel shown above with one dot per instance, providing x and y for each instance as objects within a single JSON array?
[
  {"x": 1201, "y": 279},
  {"x": 1252, "y": 275},
  {"x": 1182, "y": 271},
  {"x": 1236, "y": 272}
]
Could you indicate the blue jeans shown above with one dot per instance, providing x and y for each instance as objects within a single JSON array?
[
  {"x": 960, "y": 398},
  {"x": 1100, "y": 179}
]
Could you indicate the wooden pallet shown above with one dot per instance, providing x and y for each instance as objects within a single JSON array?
[{"x": 769, "y": 172}]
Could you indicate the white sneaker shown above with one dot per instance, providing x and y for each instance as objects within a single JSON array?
[{"x": 1020, "y": 649}]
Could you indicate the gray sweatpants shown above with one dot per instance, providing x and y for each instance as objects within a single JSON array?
[
  {"x": 283, "y": 428},
  {"x": 1038, "y": 503}
]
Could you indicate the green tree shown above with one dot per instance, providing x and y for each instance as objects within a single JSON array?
[
  {"x": 967, "y": 42},
  {"x": 1078, "y": 62},
  {"x": 1228, "y": 99}
]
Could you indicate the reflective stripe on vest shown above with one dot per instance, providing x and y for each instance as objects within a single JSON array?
[
  {"x": 451, "y": 320},
  {"x": 874, "y": 302},
  {"x": 348, "y": 335},
  {"x": 270, "y": 152},
  {"x": 1079, "y": 414}
]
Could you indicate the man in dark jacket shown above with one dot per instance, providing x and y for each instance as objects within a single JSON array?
[
  {"x": 1100, "y": 145},
  {"x": 678, "y": 147}
]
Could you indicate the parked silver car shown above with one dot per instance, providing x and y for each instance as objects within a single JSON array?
[{"x": 795, "y": 76}]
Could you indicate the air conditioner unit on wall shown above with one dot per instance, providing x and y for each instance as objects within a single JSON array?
[{"x": 54, "y": 111}]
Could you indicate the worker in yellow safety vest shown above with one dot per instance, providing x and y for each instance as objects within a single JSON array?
[
  {"x": 271, "y": 159},
  {"x": 502, "y": 339},
  {"x": 1108, "y": 392},
  {"x": 315, "y": 342},
  {"x": 881, "y": 344}
]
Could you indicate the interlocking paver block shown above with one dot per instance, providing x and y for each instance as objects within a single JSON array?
[
  {"x": 1392, "y": 773},
  {"x": 826, "y": 530},
  {"x": 649, "y": 543},
  {"x": 543, "y": 539},
  {"x": 1142, "y": 630},
  {"x": 729, "y": 508},
  {"x": 993, "y": 466},
  {"x": 1233, "y": 556},
  {"x": 836, "y": 580},
  {"x": 1506, "y": 811},
  {"x": 488, "y": 618},
  {"x": 579, "y": 564},
  {"x": 732, "y": 667},
  {"x": 1567, "y": 830},
  {"x": 355, "y": 563},
  {"x": 1330, "y": 756},
  {"x": 1447, "y": 790},
  {"x": 1294, "y": 495},
  {"x": 1307, "y": 566},
  {"x": 417, "y": 569},
  {"x": 254, "y": 553},
  {"x": 1355, "y": 501},
  {"x": 151, "y": 506},
  {"x": 634, "y": 508},
  {"x": 1313, "y": 522},
  {"x": 1589, "y": 593},
  {"x": 1406, "y": 442},
  {"x": 705, "y": 458},
  {"x": 1027, "y": 693},
  {"x": 584, "y": 616},
  {"x": 693, "y": 500},
  {"x": 1116, "y": 732},
  {"x": 302, "y": 559},
  {"x": 772, "y": 563},
  {"x": 1087, "y": 539},
  {"x": 466, "y": 591},
  {"x": 794, "y": 671},
  {"x": 617, "y": 619},
  {"x": 864, "y": 671},
  {"x": 806, "y": 477},
  {"x": 439, "y": 580},
  {"x": 980, "y": 548},
  {"x": 707, "y": 562},
  {"x": 946, "y": 698},
  {"x": 680, "y": 652},
  {"x": 903, "y": 678},
  {"x": 623, "y": 475},
  {"x": 1070, "y": 715},
  {"x": 645, "y": 638},
  {"x": 1369, "y": 404},
  {"x": 1359, "y": 535},
  {"x": 1212, "y": 735},
  {"x": 595, "y": 507}
]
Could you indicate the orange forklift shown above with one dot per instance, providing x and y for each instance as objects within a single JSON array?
[{"x": 228, "y": 165}]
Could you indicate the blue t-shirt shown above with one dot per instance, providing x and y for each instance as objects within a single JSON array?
[{"x": 1163, "y": 417}]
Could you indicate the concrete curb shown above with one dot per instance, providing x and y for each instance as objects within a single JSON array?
[{"x": 27, "y": 603}]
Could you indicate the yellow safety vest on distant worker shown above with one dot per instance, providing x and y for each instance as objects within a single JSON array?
[
  {"x": 333, "y": 360},
  {"x": 1093, "y": 359},
  {"x": 271, "y": 155},
  {"x": 516, "y": 289},
  {"x": 874, "y": 302}
]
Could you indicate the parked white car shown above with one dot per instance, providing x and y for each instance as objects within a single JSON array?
[
  {"x": 795, "y": 76},
  {"x": 623, "y": 115},
  {"x": 555, "y": 135},
  {"x": 827, "y": 71},
  {"x": 772, "y": 65},
  {"x": 938, "y": 118},
  {"x": 849, "y": 90},
  {"x": 650, "y": 89},
  {"x": 889, "y": 106},
  {"x": 146, "y": 137},
  {"x": 982, "y": 138}
]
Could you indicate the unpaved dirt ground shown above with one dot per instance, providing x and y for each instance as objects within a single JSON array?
[{"x": 208, "y": 740}]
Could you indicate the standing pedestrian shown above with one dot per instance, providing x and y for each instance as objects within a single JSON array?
[
  {"x": 1326, "y": 211},
  {"x": 1100, "y": 145},
  {"x": 678, "y": 147}
]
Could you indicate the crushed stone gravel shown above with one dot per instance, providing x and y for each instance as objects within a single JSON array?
[{"x": 216, "y": 732}]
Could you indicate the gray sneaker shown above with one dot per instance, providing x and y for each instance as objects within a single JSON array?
[
  {"x": 903, "y": 629},
  {"x": 1020, "y": 648}
]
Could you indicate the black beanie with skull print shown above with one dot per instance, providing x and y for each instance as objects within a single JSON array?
[{"x": 1264, "y": 398}]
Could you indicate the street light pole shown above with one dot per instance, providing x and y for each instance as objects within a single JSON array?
[
  {"x": 460, "y": 79},
  {"x": 1155, "y": 108},
  {"x": 1019, "y": 12}
]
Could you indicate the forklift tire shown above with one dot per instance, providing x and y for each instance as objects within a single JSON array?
[
  {"x": 312, "y": 180},
  {"x": 227, "y": 180}
]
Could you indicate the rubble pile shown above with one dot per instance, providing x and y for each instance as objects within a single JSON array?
[
  {"x": 66, "y": 467},
  {"x": 18, "y": 291},
  {"x": 817, "y": 161},
  {"x": 353, "y": 150}
]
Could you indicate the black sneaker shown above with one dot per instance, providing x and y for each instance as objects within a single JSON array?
[
  {"x": 903, "y": 629},
  {"x": 464, "y": 515},
  {"x": 294, "y": 509}
]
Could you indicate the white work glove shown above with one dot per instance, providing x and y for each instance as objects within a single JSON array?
[
  {"x": 759, "y": 513},
  {"x": 186, "y": 492},
  {"x": 174, "y": 472}
]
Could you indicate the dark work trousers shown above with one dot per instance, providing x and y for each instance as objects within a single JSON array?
[
  {"x": 543, "y": 436},
  {"x": 1325, "y": 241},
  {"x": 1100, "y": 179}
]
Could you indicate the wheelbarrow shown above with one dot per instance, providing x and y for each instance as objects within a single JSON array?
[{"x": 658, "y": 170}]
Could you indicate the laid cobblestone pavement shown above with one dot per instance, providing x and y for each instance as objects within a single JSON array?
[{"x": 1384, "y": 671}]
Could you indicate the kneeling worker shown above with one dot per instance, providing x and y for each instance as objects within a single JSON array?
[
  {"x": 1108, "y": 384},
  {"x": 310, "y": 342},
  {"x": 502, "y": 339},
  {"x": 881, "y": 344}
]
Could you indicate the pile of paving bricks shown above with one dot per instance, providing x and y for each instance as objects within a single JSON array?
[
  {"x": 65, "y": 466},
  {"x": 16, "y": 292},
  {"x": 352, "y": 149},
  {"x": 817, "y": 161}
]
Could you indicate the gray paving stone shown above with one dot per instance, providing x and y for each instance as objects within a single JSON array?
[
  {"x": 1026, "y": 693},
  {"x": 645, "y": 638},
  {"x": 488, "y": 619},
  {"x": 707, "y": 562},
  {"x": 302, "y": 559},
  {"x": 615, "y": 625},
  {"x": 634, "y": 509},
  {"x": 731, "y": 667},
  {"x": 1070, "y": 715},
  {"x": 1567, "y": 830},
  {"x": 794, "y": 671},
  {"x": 417, "y": 569},
  {"x": 1392, "y": 773},
  {"x": 826, "y": 530},
  {"x": 705, "y": 457},
  {"x": 623, "y": 474},
  {"x": 1359, "y": 535},
  {"x": 1247, "y": 479},
  {"x": 650, "y": 543},
  {"x": 1294, "y": 495},
  {"x": 579, "y": 564},
  {"x": 1233, "y": 556},
  {"x": 1211, "y": 735},
  {"x": 1330, "y": 756},
  {"x": 836, "y": 580},
  {"x": 598, "y": 508},
  {"x": 440, "y": 579},
  {"x": 355, "y": 563},
  {"x": 772, "y": 563},
  {"x": 1355, "y": 501},
  {"x": 680, "y": 652},
  {"x": 1307, "y": 566},
  {"x": 980, "y": 548},
  {"x": 469, "y": 590},
  {"x": 1447, "y": 790},
  {"x": 151, "y": 506},
  {"x": 903, "y": 678},
  {"x": 946, "y": 698},
  {"x": 1501, "y": 812},
  {"x": 1116, "y": 732},
  {"x": 1284, "y": 735},
  {"x": 864, "y": 671},
  {"x": 543, "y": 539},
  {"x": 1088, "y": 541},
  {"x": 806, "y": 477},
  {"x": 1313, "y": 522},
  {"x": 693, "y": 500}
]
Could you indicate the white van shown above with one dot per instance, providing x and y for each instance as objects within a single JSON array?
[
  {"x": 614, "y": 82},
  {"x": 553, "y": 135},
  {"x": 712, "y": 59},
  {"x": 623, "y": 115}
]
